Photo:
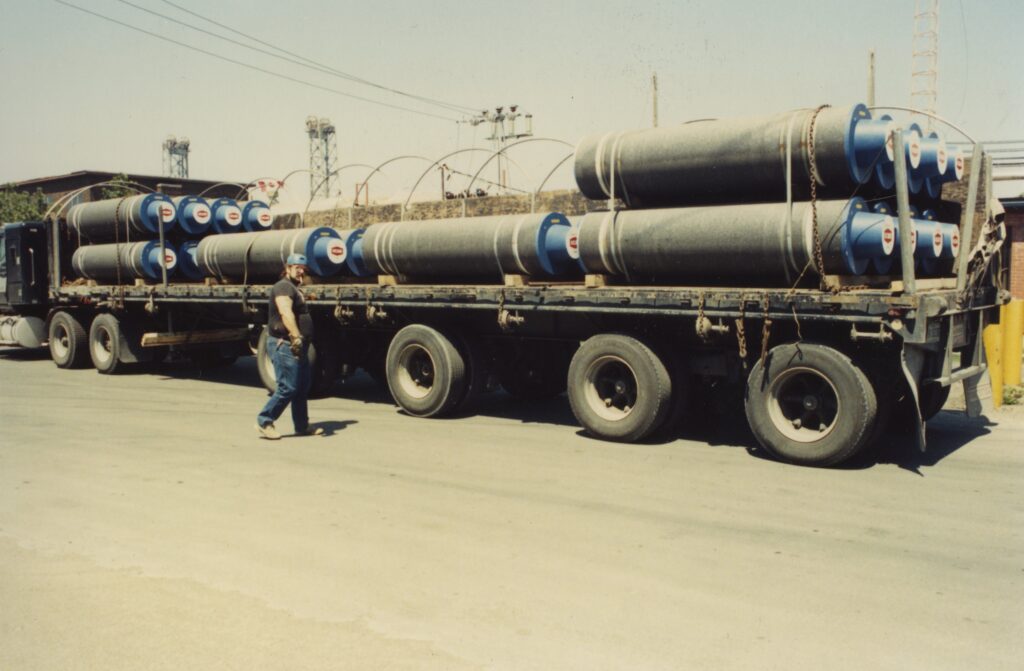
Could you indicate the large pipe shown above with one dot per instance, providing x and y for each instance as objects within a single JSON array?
[
  {"x": 734, "y": 160},
  {"x": 124, "y": 261},
  {"x": 193, "y": 214},
  {"x": 261, "y": 255},
  {"x": 256, "y": 216},
  {"x": 124, "y": 219},
  {"x": 954, "y": 173},
  {"x": 227, "y": 216},
  {"x": 520, "y": 244},
  {"x": 759, "y": 244},
  {"x": 188, "y": 268}
]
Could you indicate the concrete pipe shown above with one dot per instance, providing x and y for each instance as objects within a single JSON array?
[
  {"x": 759, "y": 244},
  {"x": 192, "y": 214},
  {"x": 132, "y": 218},
  {"x": 124, "y": 261},
  {"x": 537, "y": 245},
  {"x": 734, "y": 160},
  {"x": 227, "y": 215},
  {"x": 256, "y": 216},
  {"x": 261, "y": 255}
]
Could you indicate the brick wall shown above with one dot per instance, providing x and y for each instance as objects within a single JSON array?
[{"x": 1015, "y": 230}]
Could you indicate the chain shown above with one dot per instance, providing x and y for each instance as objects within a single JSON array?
[
  {"x": 741, "y": 333},
  {"x": 819, "y": 260},
  {"x": 766, "y": 329}
]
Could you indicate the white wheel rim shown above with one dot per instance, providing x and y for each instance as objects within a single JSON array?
[
  {"x": 61, "y": 343},
  {"x": 416, "y": 371},
  {"x": 103, "y": 345},
  {"x": 804, "y": 405},
  {"x": 610, "y": 388}
]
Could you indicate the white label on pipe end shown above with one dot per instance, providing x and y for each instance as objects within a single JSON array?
[
  {"x": 942, "y": 157},
  {"x": 959, "y": 166},
  {"x": 572, "y": 244},
  {"x": 336, "y": 252},
  {"x": 955, "y": 241},
  {"x": 890, "y": 150},
  {"x": 888, "y": 236},
  {"x": 937, "y": 242},
  {"x": 914, "y": 149},
  {"x": 201, "y": 214},
  {"x": 170, "y": 258},
  {"x": 167, "y": 213},
  {"x": 265, "y": 218},
  {"x": 233, "y": 215}
]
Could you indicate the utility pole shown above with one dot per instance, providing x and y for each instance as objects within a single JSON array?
[
  {"x": 176, "y": 157},
  {"x": 871, "y": 78},
  {"x": 925, "y": 59},
  {"x": 323, "y": 146},
  {"x": 501, "y": 134},
  {"x": 654, "y": 94}
]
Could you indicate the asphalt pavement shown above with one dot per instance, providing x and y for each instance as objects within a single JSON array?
[{"x": 143, "y": 525}]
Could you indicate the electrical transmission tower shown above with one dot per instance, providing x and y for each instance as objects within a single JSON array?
[
  {"x": 925, "y": 59},
  {"x": 176, "y": 157},
  {"x": 323, "y": 147},
  {"x": 503, "y": 129}
]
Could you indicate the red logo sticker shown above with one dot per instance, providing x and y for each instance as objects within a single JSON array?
[
  {"x": 264, "y": 218},
  {"x": 168, "y": 259},
  {"x": 232, "y": 216},
  {"x": 887, "y": 236}
]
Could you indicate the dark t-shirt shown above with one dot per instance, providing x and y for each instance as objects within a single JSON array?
[{"x": 275, "y": 325}]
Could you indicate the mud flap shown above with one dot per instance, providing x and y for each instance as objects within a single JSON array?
[{"x": 912, "y": 361}]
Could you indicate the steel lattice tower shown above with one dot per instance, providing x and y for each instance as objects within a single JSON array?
[
  {"x": 323, "y": 146},
  {"x": 176, "y": 157},
  {"x": 925, "y": 59}
]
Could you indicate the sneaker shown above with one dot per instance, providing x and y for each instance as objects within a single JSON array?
[
  {"x": 311, "y": 431},
  {"x": 268, "y": 432}
]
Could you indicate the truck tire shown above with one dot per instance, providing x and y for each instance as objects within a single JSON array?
[
  {"x": 810, "y": 404},
  {"x": 426, "y": 373},
  {"x": 105, "y": 344},
  {"x": 264, "y": 365},
  {"x": 69, "y": 341},
  {"x": 619, "y": 389}
]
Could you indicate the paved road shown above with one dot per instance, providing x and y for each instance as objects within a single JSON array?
[{"x": 143, "y": 525}]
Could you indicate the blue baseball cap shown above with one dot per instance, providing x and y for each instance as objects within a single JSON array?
[{"x": 297, "y": 260}]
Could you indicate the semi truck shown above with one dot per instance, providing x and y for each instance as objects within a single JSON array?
[{"x": 821, "y": 363}]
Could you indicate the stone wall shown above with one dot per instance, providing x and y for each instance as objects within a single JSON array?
[{"x": 570, "y": 202}]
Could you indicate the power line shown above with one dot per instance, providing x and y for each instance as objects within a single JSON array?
[
  {"x": 302, "y": 60},
  {"x": 252, "y": 67}
]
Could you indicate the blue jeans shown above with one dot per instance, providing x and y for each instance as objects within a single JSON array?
[{"x": 292, "y": 373}]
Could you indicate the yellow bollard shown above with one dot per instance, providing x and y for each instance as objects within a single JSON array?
[
  {"x": 1012, "y": 318},
  {"x": 992, "y": 336}
]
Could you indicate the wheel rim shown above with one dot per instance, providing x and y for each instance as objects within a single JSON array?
[
  {"x": 611, "y": 388},
  {"x": 803, "y": 405},
  {"x": 415, "y": 371},
  {"x": 61, "y": 342},
  {"x": 103, "y": 345}
]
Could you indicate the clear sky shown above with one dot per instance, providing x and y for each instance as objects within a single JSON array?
[{"x": 82, "y": 93}]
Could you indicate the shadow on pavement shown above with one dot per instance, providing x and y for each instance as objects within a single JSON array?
[
  {"x": 946, "y": 433},
  {"x": 21, "y": 354}
]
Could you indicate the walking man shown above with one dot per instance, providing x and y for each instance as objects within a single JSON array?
[{"x": 289, "y": 332}]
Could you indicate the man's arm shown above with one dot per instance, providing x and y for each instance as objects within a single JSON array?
[{"x": 284, "y": 306}]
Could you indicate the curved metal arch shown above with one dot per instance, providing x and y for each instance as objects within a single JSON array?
[
  {"x": 507, "y": 147},
  {"x": 218, "y": 184},
  {"x": 557, "y": 166},
  {"x": 329, "y": 175},
  {"x": 64, "y": 200},
  {"x": 434, "y": 165},
  {"x": 390, "y": 160},
  {"x": 914, "y": 110}
]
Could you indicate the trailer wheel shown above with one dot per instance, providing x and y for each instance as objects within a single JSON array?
[
  {"x": 619, "y": 389},
  {"x": 69, "y": 341},
  {"x": 810, "y": 404},
  {"x": 105, "y": 344},
  {"x": 425, "y": 371}
]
